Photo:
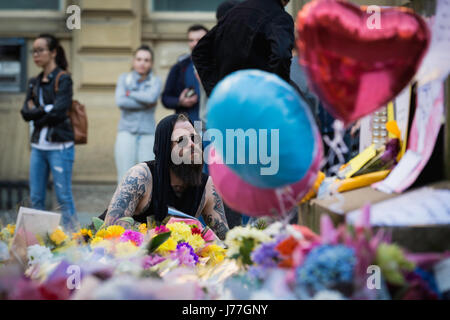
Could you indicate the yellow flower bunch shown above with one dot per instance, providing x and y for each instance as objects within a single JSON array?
[
  {"x": 196, "y": 241},
  {"x": 215, "y": 253},
  {"x": 11, "y": 228},
  {"x": 168, "y": 246},
  {"x": 114, "y": 232},
  {"x": 58, "y": 236},
  {"x": 143, "y": 228},
  {"x": 101, "y": 233},
  {"x": 110, "y": 232},
  {"x": 96, "y": 240},
  {"x": 180, "y": 231},
  {"x": 82, "y": 234}
]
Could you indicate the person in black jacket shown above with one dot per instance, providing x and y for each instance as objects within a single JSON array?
[
  {"x": 255, "y": 34},
  {"x": 182, "y": 92},
  {"x": 52, "y": 139}
]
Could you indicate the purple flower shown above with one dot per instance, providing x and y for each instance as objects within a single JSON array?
[
  {"x": 132, "y": 236},
  {"x": 265, "y": 255},
  {"x": 185, "y": 255},
  {"x": 152, "y": 260}
]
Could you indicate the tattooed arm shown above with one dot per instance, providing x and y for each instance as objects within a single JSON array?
[
  {"x": 214, "y": 212},
  {"x": 137, "y": 181}
]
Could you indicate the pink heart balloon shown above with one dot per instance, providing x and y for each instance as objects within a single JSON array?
[
  {"x": 355, "y": 69},
  {"x": 254, "y": 201}
]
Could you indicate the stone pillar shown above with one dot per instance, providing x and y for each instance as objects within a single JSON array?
[{"x": 102, "y": 49}]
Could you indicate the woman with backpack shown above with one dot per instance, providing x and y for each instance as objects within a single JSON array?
[
  {"x": 137, "y": 94},
  {"x": 52, "y": 139}
]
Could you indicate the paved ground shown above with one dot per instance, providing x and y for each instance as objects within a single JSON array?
[{"x": 90, "y": 200}]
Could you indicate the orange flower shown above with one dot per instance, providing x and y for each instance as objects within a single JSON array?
[{"x": 287, "y": 246}]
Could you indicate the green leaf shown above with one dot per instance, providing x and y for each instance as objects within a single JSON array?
[
  {"x": 98, "y": 223},
  {"x": 157, "y": 241},
  {"x": 246, "y": 249},
  {"x": 128, "y": 220}
]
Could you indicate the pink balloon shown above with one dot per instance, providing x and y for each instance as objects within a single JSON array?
[
  {"x": 354, "y": 66},
  {"x": 257, "y": 202}
]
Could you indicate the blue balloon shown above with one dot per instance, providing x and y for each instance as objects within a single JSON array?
[{"x": 264, "y": 130}]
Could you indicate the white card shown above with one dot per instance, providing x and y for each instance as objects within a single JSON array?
[{"x": 402, "y": 170}]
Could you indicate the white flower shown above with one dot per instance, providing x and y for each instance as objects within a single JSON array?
[
  {"x": 274, "y": 229},
  {"x": 38, "y": 254},
  {"x": 328, "y": 295},
  {"x": 294, "y": 232},
  {"x": 236, "y": 235}
]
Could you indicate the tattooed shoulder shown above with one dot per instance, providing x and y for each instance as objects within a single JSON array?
[{"x": 128, "y": 194}]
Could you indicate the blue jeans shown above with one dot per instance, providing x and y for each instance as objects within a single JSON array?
[{"x": 59, "y": 163}]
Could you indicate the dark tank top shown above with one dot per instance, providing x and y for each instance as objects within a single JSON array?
[{"x": 188, "y": 203}]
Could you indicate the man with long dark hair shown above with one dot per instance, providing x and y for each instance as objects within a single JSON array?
[{"x": 173, "y": 179}]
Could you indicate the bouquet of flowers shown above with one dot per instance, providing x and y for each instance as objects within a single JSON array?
[
  {"x": 348, "y": 262},
  {"x": 103, "y": 254}
]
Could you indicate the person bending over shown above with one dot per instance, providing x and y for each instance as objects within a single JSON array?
[{"x": 149, "y": 188}]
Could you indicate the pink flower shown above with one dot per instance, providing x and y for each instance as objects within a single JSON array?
[
  {"x": 133, "y": 236},
  {"x": 161, "y": 229},
  {"x": 151, "y": 261}
]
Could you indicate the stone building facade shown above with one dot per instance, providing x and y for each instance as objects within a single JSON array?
[{"x": 98, "y": 53}]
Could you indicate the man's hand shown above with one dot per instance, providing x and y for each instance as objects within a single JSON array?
[
  {"x": 214, "y": 212},
  {"x": 187, "y": 102}
]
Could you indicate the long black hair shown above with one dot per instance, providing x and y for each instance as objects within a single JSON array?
[
  {"x": 162, "y": 150},
  {"x": 53, "y": 44}
]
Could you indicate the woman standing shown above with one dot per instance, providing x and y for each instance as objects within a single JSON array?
[
  {"x": 52, "y": 139},
  {"x": 137, "y": 93}
]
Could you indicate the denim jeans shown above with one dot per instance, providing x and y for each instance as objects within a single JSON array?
[
  {"x": 59, "y": 163},
  {"x": 131, "y": 149}
]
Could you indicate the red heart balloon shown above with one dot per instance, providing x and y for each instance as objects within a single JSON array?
[{"x": 354, "y": 69}]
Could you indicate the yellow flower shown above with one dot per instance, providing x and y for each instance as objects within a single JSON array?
[
  {"x": 215, "y": 253},
  {"x": 168, "y": 246},
  {"x": 114, "y": 232},
  {"x": 82, "y": 234},
  {"x": 11, "y": 228},
  {"x": 101, "y": 233},
  {"x": 196, "y": 241},
  {"x": 96, "y": 240},
  {"x": 58, "y": 236},
  {"x": 124, "y": 249},
  {"x": 180, "y": 231},
  {"x": 143, "y": 228}
]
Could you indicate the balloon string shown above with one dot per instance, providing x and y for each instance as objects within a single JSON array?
[{"x": 285, "y": 194}]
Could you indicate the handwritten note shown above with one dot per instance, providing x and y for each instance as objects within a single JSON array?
[
  {"x": 424, "y": 131},
  {"x": 424, "y": 207},
  {"x": 30, "y": 225},
  {"x": 436, "y": 64},
  {"x": 402, "y": 104}
]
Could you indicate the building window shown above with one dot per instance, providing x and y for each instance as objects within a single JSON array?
[
  {"x": 30, "y": 5},
  {"x": 185, "y": 5},
  {"x": 12, "y": 65}
]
